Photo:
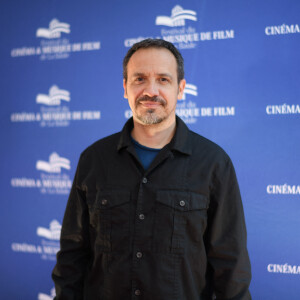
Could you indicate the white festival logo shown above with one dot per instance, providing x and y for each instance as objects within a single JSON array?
[
  {"x": 54, "y": 98},
  {"x": 54, "y": 31},
  {"x": 178, "y": 17},
  {"x": 54, "y": 165},
  {"x": 42, "y": 296},
  {"x": 53, "y": 233},
  {"x": 189, "y": 89}
]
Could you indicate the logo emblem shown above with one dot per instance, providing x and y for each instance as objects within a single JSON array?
[
  {"x": 54, "y": 31},
  {"x": 54, "y": 98},
  {"x": 190, "y": 89},
  {"x": 42, "y": 296},
  {"x": 54, "y": 165},
  {"x": 178, "y": 17},
  {"x": 53, "y": 233}
]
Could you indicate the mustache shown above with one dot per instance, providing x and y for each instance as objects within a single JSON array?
[{"x": 152, "y": 99}]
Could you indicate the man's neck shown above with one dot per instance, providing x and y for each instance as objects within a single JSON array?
[{"x": 154, "y": 136}]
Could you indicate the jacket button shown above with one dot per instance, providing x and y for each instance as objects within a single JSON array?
[
  {"x": 182, "y": 203},
  {"x": 141, "y": 216},
  {"x": 139, "y": 254},
  {"x": 104, "y": 201},
  {"x": 144, "y": 180},
  {"x": 137, "y": 292}
]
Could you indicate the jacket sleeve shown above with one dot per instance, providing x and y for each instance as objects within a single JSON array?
[
  {"x": 74, "y": 254},
  {"x": 226, "y": 239}
]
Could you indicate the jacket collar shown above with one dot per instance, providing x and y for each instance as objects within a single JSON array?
[{"x": 180, "y": 142}]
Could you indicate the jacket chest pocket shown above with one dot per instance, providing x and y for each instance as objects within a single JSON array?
[
  {"x": 180, "y": 220},
  {"x": 109, "y": 212}
]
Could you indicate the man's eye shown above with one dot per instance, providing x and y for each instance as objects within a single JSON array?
[
  {"x": 163, "y": 79},
  {"x": 139, "y": 79}
]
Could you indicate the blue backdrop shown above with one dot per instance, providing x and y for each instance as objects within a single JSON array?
[{"x": 61, "y": 87}]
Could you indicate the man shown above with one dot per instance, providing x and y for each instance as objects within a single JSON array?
[{"x": 155, "y": 210}]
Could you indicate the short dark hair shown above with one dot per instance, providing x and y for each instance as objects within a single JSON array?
[{"x": 155, "y": 43}]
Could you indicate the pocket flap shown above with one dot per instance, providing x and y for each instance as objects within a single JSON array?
[
  {"x": 182, "y": 200},
  {"x": 106, "y": 199}
]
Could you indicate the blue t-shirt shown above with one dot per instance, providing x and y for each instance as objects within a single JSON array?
[{"x": 145, "y": 154}]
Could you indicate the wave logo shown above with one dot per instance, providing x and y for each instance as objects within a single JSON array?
[
  {"x": 54, "y": 31},
  {"x": 55, "y": 164},
  {"x": 55, "y": 96},
  {"x": 189, "y": 89},
  {"x": 42, "y": 296},
  {"x": 53, "y": 233},
  {"x": 178, "y": 17}
]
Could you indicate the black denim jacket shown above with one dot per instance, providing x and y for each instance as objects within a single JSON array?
[{"x": 173, "y": 232}]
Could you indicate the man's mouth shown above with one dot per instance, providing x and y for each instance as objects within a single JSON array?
[{"x": 151, "y": 102}]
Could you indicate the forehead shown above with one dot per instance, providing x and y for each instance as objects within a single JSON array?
[{"x": 156, "y": 60}]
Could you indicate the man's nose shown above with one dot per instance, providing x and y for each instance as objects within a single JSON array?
[{"x": 151, "y": 89}]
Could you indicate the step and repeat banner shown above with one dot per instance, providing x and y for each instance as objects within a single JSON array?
[{"x": 61, "y": 90}]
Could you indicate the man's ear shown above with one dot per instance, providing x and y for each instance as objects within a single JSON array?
[
  {"x": 125, "y": 90},
  {"x": 181, "y": 88}
]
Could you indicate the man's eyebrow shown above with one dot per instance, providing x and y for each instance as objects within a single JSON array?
[
  {"x": 137, "y": 74},
  {"x": 140, "y": 74}
]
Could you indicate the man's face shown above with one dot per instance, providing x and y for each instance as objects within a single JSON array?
[{"x": 152, "y": 89}]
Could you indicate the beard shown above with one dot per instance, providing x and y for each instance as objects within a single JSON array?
[{"x": 150, "y": 117}]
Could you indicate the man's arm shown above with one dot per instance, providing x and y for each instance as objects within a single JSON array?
[
  {"x": 226, "y": 239},
  {"x": 73, "y": 257}
]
